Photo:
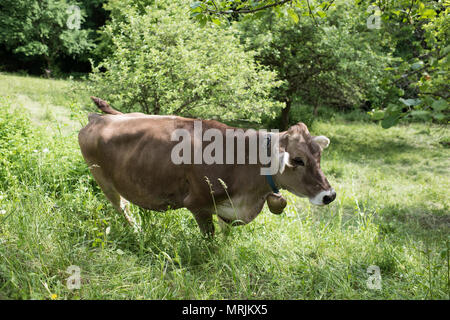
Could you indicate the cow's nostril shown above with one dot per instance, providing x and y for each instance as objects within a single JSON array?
[{"x": 329, "y": 198}]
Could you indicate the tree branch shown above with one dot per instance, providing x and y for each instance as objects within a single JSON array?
[
  {"x": 246, "y": 10},
  {"x": 328, "y": 6},
  {"x": 410, "y": 73},
  {"x": 311, "y": 13},
  {"x": 410, "y": 8},
  {"x": 184, "y": 105},
  {"x": 438, "y": 94}
]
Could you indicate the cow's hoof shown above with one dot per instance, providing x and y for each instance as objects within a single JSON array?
[{"x": 276, "y": 203}]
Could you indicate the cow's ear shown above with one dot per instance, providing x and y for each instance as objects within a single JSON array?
[
  {"x": 322, "y": 141},
  {"x": 283, "y": 141},
  {"x": 283, "y": 161}
]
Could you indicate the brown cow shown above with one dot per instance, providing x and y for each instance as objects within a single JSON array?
[{"x": 131, "y": 157}]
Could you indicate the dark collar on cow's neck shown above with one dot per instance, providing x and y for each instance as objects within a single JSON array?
[
  {"x": 269, "y": 178},
  {"x": 272, "y": 184}
]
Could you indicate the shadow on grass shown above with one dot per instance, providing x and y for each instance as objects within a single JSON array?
[
  {"x": 353, "y": 150},
  {"x": 417, "y": 222}
]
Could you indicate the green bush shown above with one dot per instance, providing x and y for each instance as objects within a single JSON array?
[
  {"x": 29, "y": 158},
  {"x": 15, "y": 138},
  {"x": 337, "y": 62},
  {"x": 164, "y": 63}
]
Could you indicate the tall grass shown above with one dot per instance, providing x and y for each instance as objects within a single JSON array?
[{"x": 392, "y": 211}]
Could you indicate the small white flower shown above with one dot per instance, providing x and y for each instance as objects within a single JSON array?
[
  {"x": 3, "y": 211},
  {"x": 45, "y": 150},
  {"x": 35, "y": 151},
  {"x": 108, "y": 230}
]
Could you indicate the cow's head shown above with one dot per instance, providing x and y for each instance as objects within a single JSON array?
[{"x": 299, "y": 163}]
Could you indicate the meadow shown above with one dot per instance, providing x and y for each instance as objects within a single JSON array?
[{"x": 392, "y": 211}]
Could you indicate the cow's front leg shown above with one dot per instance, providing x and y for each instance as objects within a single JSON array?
[
  {"x": 119, "y": 203},
  {"x": 205, "y": 222},
  {"x": 197, "y": 204},
  {"x": 224, "y": 226}
]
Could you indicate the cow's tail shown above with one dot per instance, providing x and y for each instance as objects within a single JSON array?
[{"x": 104, "y": 106}]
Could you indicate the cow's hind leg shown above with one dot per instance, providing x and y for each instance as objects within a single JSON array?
[
  {"x": 118, "y": 202},
  {"x": 125, "y": 209}
]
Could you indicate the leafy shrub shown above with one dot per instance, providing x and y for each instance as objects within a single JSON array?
[
  {"x": 29, "y": 158},
  {"x": 14, "y": 141},
  {"x": 39, "y": 29},
  {"x": 335, "y": 62},
  {"x": 418, "y": 77},
  {"x": 163, "y": 63}
]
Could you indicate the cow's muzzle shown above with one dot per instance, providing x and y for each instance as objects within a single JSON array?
[{"x": 323, "y": 197}]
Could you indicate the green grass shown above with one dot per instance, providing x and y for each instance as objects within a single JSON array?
[{"x": 392, "y": 211}]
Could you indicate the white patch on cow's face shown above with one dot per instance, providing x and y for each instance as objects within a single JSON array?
[
  {"x": 318, "y": 199},
  {"x": 322, "y": 141},
  {"x": 283, "y": 161}
]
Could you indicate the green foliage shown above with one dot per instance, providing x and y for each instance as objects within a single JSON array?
[
  {"x": 225, "y": 10},
  {"x": 117, "y": 10},
  {"x": 323, "y": 51},
  {"x": 419, "y": 33},
  {"x": 163, "y": 63},
  {"x": 336, "y": 64},
  {"x": 15, "y": 135},
  {"x": 37, "y": 30},
  {"x": 27, "y": 155}
]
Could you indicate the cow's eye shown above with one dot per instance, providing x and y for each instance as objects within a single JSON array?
[{"x": 298, "y": 162}]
